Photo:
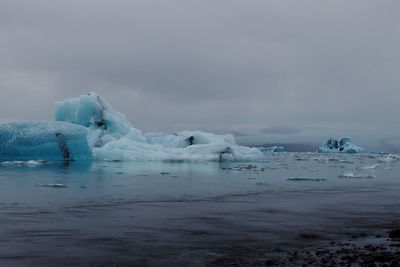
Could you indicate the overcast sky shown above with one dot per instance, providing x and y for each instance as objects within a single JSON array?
[{"x": 269, "y": 71}]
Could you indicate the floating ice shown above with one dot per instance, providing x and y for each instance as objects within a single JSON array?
[
  {"x": 112, "y": 136},
  {"x": 351, "y": 175},
  {"x": 23, "y": 163},
  {"x": 305, "y": 179},
  {"x": 343, "y": 146},
  {"x": 43, "y": 140},
  {"x": 390, "y": 158},
  {"x": 370, "y": 167}
]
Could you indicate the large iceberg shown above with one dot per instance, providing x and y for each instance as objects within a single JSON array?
[
  {"x": 43, "y": 140},
  {"x": 343, "y": 146},
  {"x": 112, "y": 136}
]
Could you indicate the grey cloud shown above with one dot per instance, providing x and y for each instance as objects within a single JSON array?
[
  {"x": 235, "y": 65},
  {"x": 280, "y": 130}
]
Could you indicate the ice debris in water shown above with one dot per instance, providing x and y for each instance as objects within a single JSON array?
[
  {"x": 305, "y": 179},
  {"x": 370, "y": 167},
  {"x": 42, "y": 140},
  {"x": 112, "y": 137},
  {"x": 350, "y": 174},
  {"x": 390, "y": 158},
  {"x": 343, "y": 146},
  {"x": 23, "y": 163}
]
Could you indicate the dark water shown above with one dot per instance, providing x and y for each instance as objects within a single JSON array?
[{"x": 196, "y": 214}]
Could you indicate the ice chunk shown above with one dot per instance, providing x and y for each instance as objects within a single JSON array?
[
  {"x": 305, "y": 179},
  {"x": 343, "y": 146},
  {"x": 112, "y": 136},
  {"x": 350, "y": 174},
  {"x": 30, "y": 163},
  {"x": 370, "y": 167},
  {"x": 43, "y": 140},
  {"x": 390, "y": 158}
]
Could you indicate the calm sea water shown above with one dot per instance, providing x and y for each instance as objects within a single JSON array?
[{"x": 175, "y": 213}]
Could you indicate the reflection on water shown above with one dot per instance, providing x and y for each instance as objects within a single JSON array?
[{"x": 177, "y": 212}]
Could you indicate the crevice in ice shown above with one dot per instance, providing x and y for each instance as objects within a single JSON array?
[
  {"x": 190, "y": 140},
  {"x": 62, "y": 143}
]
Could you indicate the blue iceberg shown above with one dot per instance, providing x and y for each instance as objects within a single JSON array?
[
  {"x": 88, "y": 127},
  {"x": 112, "y": 136},
  {"x": 44, "y": 140},
  {"x": 344, "y": 145}
]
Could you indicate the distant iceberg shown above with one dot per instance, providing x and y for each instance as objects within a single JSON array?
[
  {"x": 343, "y": 146},
  {"x": 87, "y": 127}
]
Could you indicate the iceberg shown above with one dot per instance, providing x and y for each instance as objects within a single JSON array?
[
  {"x": 44, "y": 140},
  {"x": 343, "y": 146},
  {"x": 111, "y": 136},
  {"x": 88, "y": 127}
]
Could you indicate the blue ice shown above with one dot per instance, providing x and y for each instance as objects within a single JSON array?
[
  {"x": 43, "y": 140},
  {"x": 344, "y": 145}
]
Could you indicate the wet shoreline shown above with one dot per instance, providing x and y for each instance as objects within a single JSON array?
[{"x": 253, "y": 230}]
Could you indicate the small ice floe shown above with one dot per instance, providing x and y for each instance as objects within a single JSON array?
[
  {"x": 305, "y": 179},
  {"x": 351, "y": 175},
  {"x": 53, "y": 185},
  {"x": 23, "y": 163},
  {"x": 370, "y": 167}
]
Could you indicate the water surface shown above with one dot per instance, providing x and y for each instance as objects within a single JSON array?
[{"x": 169, "y": 213}]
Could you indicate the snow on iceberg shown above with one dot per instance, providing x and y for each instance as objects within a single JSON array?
[
  {"x": 112, "y": 136},
  {"x": 43, "y": 140},
  {"x": 272, "y": 149},
  {"x": 343, "y": 146}
]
